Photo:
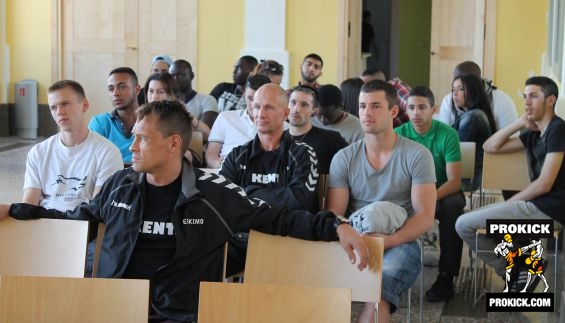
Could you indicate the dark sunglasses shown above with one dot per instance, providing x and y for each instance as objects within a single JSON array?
[{"x": 271, "y": 66}]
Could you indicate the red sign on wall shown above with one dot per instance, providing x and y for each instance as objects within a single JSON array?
[{"x": 23, "y": 91}]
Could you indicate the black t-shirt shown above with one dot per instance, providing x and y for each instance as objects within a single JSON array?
[
  {"x": 228, "y": 96},
  {"x": 538, "y": 147},
  {"x": 326, "y": 144},
  {"x": 156, "y": 243}
]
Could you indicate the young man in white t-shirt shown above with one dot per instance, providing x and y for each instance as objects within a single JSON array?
[{"x": 70, "y": 167}]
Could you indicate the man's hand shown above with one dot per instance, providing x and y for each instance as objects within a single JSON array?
[
  {"x": 4, "y": 211},
  {"x": 350, "y": 240},
  {"x": 527, "y": 123}
]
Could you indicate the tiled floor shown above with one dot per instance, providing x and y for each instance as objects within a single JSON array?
[{"x": 13, "y": 153}]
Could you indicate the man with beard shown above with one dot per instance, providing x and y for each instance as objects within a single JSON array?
[
  {"x": 310, "y": 70},
  {"x": 116, "y": 126},
  {"x": 303, "y": 101},
  {"x": 229, "y": 95},
  {"x": 201, "y": 106}
]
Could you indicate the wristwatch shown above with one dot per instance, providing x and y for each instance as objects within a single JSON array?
[{"x": 340, "y": 219}]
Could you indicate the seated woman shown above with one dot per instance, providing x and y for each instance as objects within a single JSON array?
[
  {"x": 476, "y": 122},
  {"x": 159, "y": 87},
  {"x": 350, "y": 90}
]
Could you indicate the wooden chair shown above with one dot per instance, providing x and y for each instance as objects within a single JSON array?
[
  {"x": 506, "y": 172},
  {"x": 196, "y": 145},
  {"x": 44, "y": 247},
  {"x": 322, "y": 191},
  {"x": 56, "y": 299},
  {"x": 99, "y": 239},
  {"x": 285, "y": 260},
  {"x": 468, "y": 150},
  {"x": 250, "y": 303}
]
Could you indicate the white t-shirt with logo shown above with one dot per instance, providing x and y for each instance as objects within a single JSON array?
[{"x": 67, "y": 176}]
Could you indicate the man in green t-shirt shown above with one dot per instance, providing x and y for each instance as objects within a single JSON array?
[{"x": 443, "y": 142}]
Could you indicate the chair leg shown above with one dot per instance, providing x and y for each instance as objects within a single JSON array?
[
  {"x": 377, "y": 312},
  {"x": 476, "y": 273},
  {"x": 475, "y": 269},
  {"x": 408, "y": 305},
  {"x": 555, "y": 260},
  {"x": 421, "y": 280}
]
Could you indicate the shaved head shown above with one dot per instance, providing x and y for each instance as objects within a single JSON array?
[{"x": 272, "y": 89}]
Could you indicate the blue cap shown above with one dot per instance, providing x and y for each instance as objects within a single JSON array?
[{"x": 165, "y": 58}]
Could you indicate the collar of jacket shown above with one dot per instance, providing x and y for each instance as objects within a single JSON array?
[
  {"x": 188, "y": 179},
  {"x": 286, "y": 141}
]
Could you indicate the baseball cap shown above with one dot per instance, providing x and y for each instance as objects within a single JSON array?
[{"x": 165, "y": 58}]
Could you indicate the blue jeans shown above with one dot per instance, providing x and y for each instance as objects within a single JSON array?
[{"x": 401, "y": 266}]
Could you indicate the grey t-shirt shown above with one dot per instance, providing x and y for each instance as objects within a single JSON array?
[
  {"x": 201, "y": 103},
  {"x": 410, "y": 163},
  {"x": 349, "y": 128}
]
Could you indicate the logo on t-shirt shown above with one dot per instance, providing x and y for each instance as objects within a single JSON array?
[
  {"x": 157, "y": 228},
  {"x": 264, "y": 178},
  {"x": 192, "y": 221},
  {"x": 121, "y": 204},
  {"x": 72, "y": 183}
]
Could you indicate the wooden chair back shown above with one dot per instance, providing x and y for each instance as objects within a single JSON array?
[
  {"x": 322, "y": 191},
  {"x": 284, "y": 260},
  {"x": 98, "y": 248},
  {"x": 468, "y": 160},
  {"x": 63, "y": 299},
  {"x": 247, "y": 303},
  {"x": 505, "y": 171},
  {"x": 196, "y": 144},
  {"x": 44, "y": 247}
]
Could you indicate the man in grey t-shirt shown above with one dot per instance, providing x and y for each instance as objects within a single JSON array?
[
  {"x": 330, "y": 115},
  {"x": 386, "y": 167}
]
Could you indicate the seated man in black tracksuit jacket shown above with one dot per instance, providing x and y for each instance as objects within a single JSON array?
[
  {"x": 273, "y": 167},
  {"x": 168, "y": 222}
]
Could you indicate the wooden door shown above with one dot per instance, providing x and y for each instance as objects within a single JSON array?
[
  {"x": 350, "y": 61},
  {"x": 98, "y": 36},
  {"x": 458, "y": 30},
  {"x": 166, "y": 27}
]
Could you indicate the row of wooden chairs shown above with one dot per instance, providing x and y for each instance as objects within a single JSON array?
[
  {"x": 316, "y": 278},
  {"x": 51, "y": 270},
  {"x": 42, "y": 263},
  {"x": 272, "y": 260}
]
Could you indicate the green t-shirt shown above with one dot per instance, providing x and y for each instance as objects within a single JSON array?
[{"x": 441, "y": 140}]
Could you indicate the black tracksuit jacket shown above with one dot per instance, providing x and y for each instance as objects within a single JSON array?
[{"x": 208, "y": 211}]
